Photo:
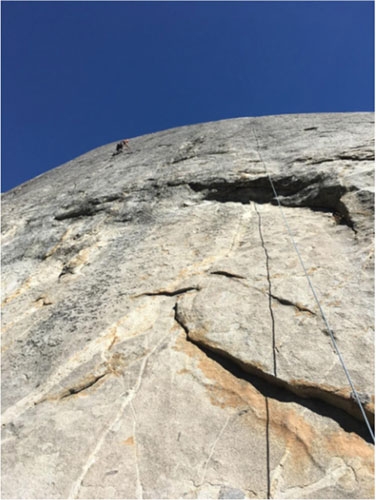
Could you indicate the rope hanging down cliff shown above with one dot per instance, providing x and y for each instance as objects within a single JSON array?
[{"x": 330, "y": 331}]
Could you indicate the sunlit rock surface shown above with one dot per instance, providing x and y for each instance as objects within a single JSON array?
[{"x": 160, "y": 338}]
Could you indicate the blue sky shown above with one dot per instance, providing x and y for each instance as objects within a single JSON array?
[{"x": 78, "y": 75}]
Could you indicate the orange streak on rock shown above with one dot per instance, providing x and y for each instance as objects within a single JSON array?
[{"x": 129, "y": 441}]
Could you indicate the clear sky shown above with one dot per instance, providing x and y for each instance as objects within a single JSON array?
[{"x": 78, "y": 75}]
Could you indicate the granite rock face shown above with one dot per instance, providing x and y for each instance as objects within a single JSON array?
[{"x": 160, "y": 338}]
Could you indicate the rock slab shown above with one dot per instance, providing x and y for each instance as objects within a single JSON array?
[{"x": 160, "y": 338}]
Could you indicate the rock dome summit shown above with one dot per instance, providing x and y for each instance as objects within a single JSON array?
[{"x": 160, "y": 338}]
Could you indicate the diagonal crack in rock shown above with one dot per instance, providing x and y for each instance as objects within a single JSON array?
[
  {"x": 83, "y": 386},
  {"x": 88, "y": 206},
  {"x": 319, "y": 399},
  {"x": 228, "y": 274},
  {"x": 296, "y": 305}
]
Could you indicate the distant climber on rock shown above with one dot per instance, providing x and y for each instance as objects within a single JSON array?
[{"x": 120, "y": 146}]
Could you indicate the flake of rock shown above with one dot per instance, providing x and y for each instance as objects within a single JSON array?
[{"x": 160, "y": 339}]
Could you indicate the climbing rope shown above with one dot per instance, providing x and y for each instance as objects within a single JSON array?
[{"x": 330, "y": 331}]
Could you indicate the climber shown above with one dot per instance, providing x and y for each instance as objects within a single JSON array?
[{"x": 120, "y": 146}]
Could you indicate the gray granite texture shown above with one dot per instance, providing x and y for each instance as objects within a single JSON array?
[{"x": 160, "y": 338}]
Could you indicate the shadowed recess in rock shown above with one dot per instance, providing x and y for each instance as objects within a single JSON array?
[{"x": 275, "y": 391}]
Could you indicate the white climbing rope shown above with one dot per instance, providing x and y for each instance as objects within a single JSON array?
[{"x": 330, "y": 331}]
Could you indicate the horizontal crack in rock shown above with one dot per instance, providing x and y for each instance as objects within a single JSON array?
[
  {"x": 357, "y": 156},
  {"x": 169, "y": 293},
  {"x": 228, "y": 275},
  {"x": 321, "y": 400},
  {"x": 365, "y": 155}
]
